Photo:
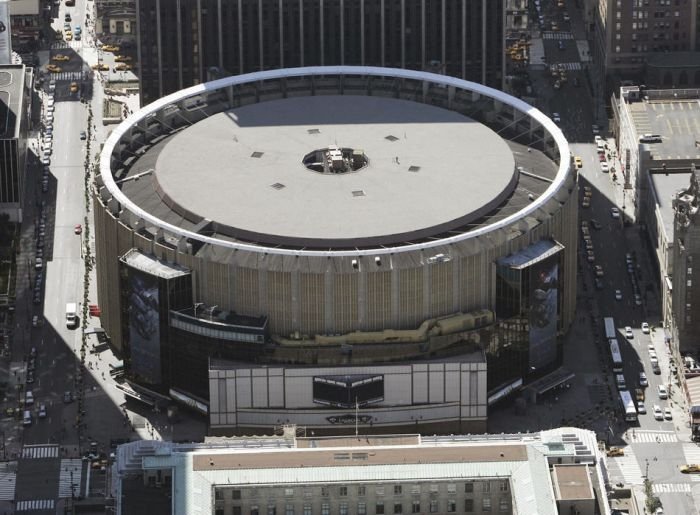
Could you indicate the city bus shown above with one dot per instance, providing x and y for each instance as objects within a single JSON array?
[
  {"x": 610, "y": 331},
  {"x": 628, "y": 406},
  {"x": 615, "y": 356}
]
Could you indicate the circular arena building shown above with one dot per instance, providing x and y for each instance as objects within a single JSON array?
[{"x": 307, "y": 245}]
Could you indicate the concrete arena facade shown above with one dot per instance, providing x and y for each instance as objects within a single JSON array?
[{"x": 306, "y": 280}]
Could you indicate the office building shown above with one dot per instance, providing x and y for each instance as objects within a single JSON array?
[{"x": 189, "y": 42}]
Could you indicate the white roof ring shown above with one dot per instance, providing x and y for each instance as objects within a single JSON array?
[{"x": 158, "y": 105}]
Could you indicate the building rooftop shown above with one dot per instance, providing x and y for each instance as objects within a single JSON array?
[
  {"x": 571, "y": 482},
  {"x": 676, "y": 119},
  {"x": 522, "y": 459},
  {"x": 665, "y": 186},
  {"x": 11, "y": 99}
]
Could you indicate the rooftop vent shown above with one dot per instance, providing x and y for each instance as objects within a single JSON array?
[
  {"x": 358, "y": 193},
  {"x": 278, "y": 186},
  {"x": 257, "y": 155},
  {"x": 413, "y": 168},
  {"x": 391, "y": 138},
  {"x": 313, "y": 131}
]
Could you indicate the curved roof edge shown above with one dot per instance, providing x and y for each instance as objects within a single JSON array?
[{"x": 539, "y": 116}]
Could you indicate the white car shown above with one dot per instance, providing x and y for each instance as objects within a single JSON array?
[
  {"x": 42, "y": 410},
  {"x": 614, "y": 212},
  {"x": 643, "y": 381},
  {"x": 658, "y": 414},
  {"x": 645, "y": 328},
  {"x": 667, "y": 413},
  {"x": 595, "y": 130},
  {"x": 663, "y": 392},
  {"x": 628, "y": 333},
  {"x": 556, "y": 118},
  {"x": 641, "y": 408},
  {"x": 618, "y": 295},
  {"x": 605, "y": 168}
]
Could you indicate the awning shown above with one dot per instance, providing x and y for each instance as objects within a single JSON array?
[
  {"x": 531, "y": 254},
  {"x": 551, "y": 380},
  {"x": 692, "y": 386}
]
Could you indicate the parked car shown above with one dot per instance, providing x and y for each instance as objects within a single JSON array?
[
  {"x": 662, "y": 391},
  {"x": 645, "y": 327},
  {"x": 667, "y": 413},
  {"x": 643, "y": 381},
  {"x": 641, "y": 408},
  {"x": 658, "y": 414}
]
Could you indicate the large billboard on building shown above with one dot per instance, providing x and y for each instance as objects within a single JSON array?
[
  {"x": 543, "y": 313},
  {"x": 144, "y": 326},
  {"x": 5, "y": 41}
]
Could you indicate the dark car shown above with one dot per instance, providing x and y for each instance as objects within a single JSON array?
[
  {"x": 68, "y": 397},
  {"x": 599, "y": 285},
  {"x": 83, "y": 135}
]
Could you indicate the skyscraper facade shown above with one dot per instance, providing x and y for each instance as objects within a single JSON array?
[{"x": 186, "y": 42}]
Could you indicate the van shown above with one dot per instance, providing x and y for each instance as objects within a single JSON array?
[
  {"x": 650, "y": 138},
  {"x": 27, "y": 418},
  {"x": 620, "y": 381}
]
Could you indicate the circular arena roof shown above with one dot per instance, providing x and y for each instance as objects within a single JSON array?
[{"x": 429, "y": 170}]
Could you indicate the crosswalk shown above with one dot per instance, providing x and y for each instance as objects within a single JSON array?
[
  {"x": 41, "y": 504},
  {"x": 654, "y": 437},
  {"x": 8, "y": 480},
  {"x": 60, "y": 45},
  {"x": 69, "y": 479},
  {"x": 39, "y": 451},
  {"x": 629, "y": 468},
  {"x": 70, "y": 76},
  {"x": 691, "y": 452},
  {"x": 670, "y": 488},
  {"x": 572, "y": 67},
  {"x": 557, "y": 35}
]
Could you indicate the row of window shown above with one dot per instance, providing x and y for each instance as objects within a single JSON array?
[
  {"x": 380, "y": 508},
  {"x": 361, "y": 490}
]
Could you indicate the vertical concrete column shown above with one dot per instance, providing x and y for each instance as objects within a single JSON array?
[{"x": 329, "y": 298}]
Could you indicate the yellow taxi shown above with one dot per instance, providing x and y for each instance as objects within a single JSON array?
[
  {"x": 110, "y": 48},
  {"x": 122, "y": 67},
  {"x": 60, "y": 57},
  {"x": 100, "y": 67},
  {"x": 690, "y": 469},
  {"x": 73, "y": 87},
  {"x": 615, "y": 451},
  {"x": 53, "y": 68},
  {"x": 578, "y": 161},
  {"x": 122, "y": 58},
  {"x": 68, "y": 36}
]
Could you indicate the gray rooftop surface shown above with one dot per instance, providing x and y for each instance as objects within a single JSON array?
[
  {"x": 465, "y": 170},
  {"x": 678, "y": 123},
  {"x": 665, "y": 188},
  {"x": 459, "y": 186}
]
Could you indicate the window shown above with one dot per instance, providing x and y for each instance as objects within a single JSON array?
[
  {"x": 361, "y": 490},
  {"x": 397, "y": 489},
  {"x": 343, "y": 491},
  {"x": 235, "y": 494},
  {"x": 271, "y": 509},
  {"x": 504, "y": 486},
  {"x": 415, "y": 489},
  {"x": 237, "y": 510},
  {"x": 503, "y": 505},
  {"x": 361, "y": 508},
  {"x": 254, "y": 510},
  {"x": 289, "y": 509},
  {"x": 451, "y": 488},
  {"x": 415, "y": 507},
  {"x": 325, "y": 508},
  {"x": 379, "y": 508},
  {"x": 451, "y": 506},
  {"x": 468, "y": 488},
  {"x": 289, "y": 492},
  {"x": 486, "y": 504},
  {"x": 469, "y": 505},
  {"x": 324, "y": 491},
  {"x": 379, "y": 490},
  {"x": 434, "y": 489},
  {"x": 343, "y": 508},
  {"x": 219, "y": 511},
  {"x": 398, "y": 507},
  {"x": 307, "y": 509},
  {"x": 308, "y": 494},
  {"x": 433, "y": 506},
  {"x": 218, "y": 495},
  {"x": 486, "y": 487}
]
